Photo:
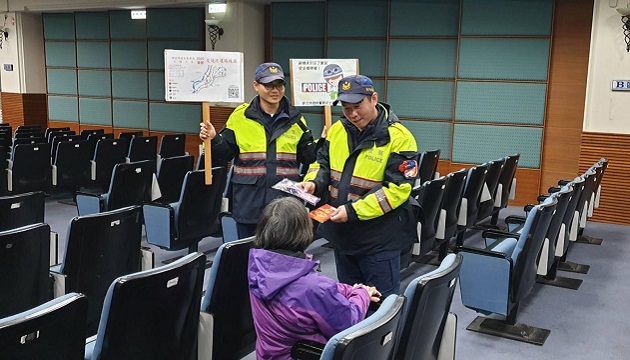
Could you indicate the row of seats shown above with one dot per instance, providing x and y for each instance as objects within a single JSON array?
[
  {"x": 497, "y": 278},
  {"x": 133, "y": 325}
]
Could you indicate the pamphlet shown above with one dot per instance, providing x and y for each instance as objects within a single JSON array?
[{"x": 290, "y": 187}]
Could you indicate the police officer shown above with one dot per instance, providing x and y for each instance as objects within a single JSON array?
[
  {"x": 367, "y": 165},
  {"x": 268, "y": 139}
]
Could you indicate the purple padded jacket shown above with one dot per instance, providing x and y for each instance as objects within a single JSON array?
[{"x": 292, "y": 302}]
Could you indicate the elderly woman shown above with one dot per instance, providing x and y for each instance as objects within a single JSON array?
[{"x": 291, "y": 302}]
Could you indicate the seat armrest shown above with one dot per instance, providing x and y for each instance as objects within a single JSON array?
[
  {"x": 495, "y": 234},
  {"x": 54, "y": 248},
  {"x": 563, "y": 182},
  {"x": 554, "y": 189},
  {"x": 59, "y": 281},
  {"x": 515, "y": 219},
  {"x": 542, "y": 198},
  {"x": 482, "y": 252},
  {"x": 307, "y": 350},
  {"x": 447, "y": 343},
  {"x": 206, "y": 335}
]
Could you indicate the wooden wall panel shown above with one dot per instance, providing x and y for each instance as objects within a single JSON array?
[
  {"x": 24, "y": 109},
  {"x": 566, "y": 91},
  {"x": 12, "y": 109},
  {"x": 615, "y": 196}
]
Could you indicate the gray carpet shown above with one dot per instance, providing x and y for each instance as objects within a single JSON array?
[{"x": 585, "y": 324}]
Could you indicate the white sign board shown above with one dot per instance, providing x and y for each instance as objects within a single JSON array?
[
  {"x": 620, "y": 85},
  {"x": 203, "y": 76},
  {"x": 314, "y": 81}
]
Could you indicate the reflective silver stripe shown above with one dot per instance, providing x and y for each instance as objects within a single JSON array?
[
  {"x": 287, "y": 171},
  {"x": 311, "y": 170},
  {"x": 249, "y": 171},
  {"x": 353, "y": 197},
  {"x": 335, "y": 174},
  {"x": 286, "y": 156},
  {"x": 334, "y": 192},
  {"x": 253, "y": 156},
  {"x": 382, "y": 201},
  {"x": 363, "y": 183}
]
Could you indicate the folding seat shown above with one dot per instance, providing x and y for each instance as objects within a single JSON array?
[
  {"x": 586, "y": 198},
  {"x": 27, "y": 128},
  {"x": 86, "y": 133},
  {"x": 49, "y": 130},
  {"x": 226, "y": 325},
  {"x": 143, "y": 148},
  {"x": 29, "y": 168},
  {"x": 5, "y": 154},
  {"x": 130, "y": 185},
  {"x": 491, "y": 183},
  {"x": 470, "y": 200},
  {"x": 372, "y": 338},
  {"x": 99, "y": 248},
  {"x": 171, "y": 175},
  {"x": 172, "y": 145},
  {"x": 449, "y": 210},
  {"x": 107, "y": 153},
  {"x": 56, "y": 140},
  {"x": 30, "y": 140},
  {"x": 21, "y": 210},
  {"x": 496, "y": 279},
  {"x": 27, "y": 134},
  {"x": 598, "y": 185},
  {"x": 129, "y": 135},
  {"x": 429, "y": 196},
  {"x": 61, "y": 133},
  {"x": 71, "y": 164},
  {"x": 506, "y": 188},
  {"x": 24, "y": 255},
  {"x": 54, "y": 330},
  {"x": 427, "y": 166},
  {"x": 195, "y": 215},
  {"x": 152, "y": 314},
  {"x": 427, "y": 329}
]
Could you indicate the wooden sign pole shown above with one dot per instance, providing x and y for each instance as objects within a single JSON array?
[
  {"x": 327, "y": 116},
  {"x": 207, "y": 152}
]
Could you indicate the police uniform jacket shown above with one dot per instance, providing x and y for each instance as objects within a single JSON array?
[
  {"x": 264, "y": 152},
  {"x": 371, "y": 173}
]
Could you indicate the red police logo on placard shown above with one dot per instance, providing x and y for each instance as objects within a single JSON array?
[{"x": 409, "y": 168}]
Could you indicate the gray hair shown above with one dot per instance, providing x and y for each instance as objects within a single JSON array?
[{"x": 284, "y": 225}]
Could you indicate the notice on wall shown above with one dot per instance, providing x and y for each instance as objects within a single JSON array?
[
  {"x": 314, "y": 81},
  {"x": 203, "y": 76}
]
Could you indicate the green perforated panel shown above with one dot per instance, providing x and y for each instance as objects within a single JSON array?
[
  {"x": 476, "y": 144},
  {"x": 123, "y": 27},
  {"x": 156, "y": 50},
  {"x": 95, "y": 111},
  {"x": 63, "y": 108},
  {"x": 58, "y": 26},
  {"x": 131, "y": 114},
  {"x": 175, "y": 117},
  {"x": 156, "y": 85},
  {"x": 506, "y": 17},
  {"x": 129, "y": 55},
  {"x": 508, "y": 59},
  {"x": 129, "y": 84},
  {"x": 181, "y": 23},
  {"x": 61, "y": 53},
  {"x": 93, "y": 54},
  {"x": 298, "y": 20},
  {"x": 92, "y": 25},
  {"x": 421, "y": 99},
  {"x": 431, "y": 135},
  {"x": 507, "y": 103},
  {"x": 95, "y": 83},
  {"x": 424, "y": 18},
  {"x": 283, "y": 50},
  {"x": 433, "y": 59},
  {"x": 315, "y": 122},
  {"x": 371, "y": 54},
  {"x": 62, "y": 81},
  {"x": 346, "y": 18}
]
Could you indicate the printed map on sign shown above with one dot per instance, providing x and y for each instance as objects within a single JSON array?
[
  {"x": 314, "y": 81},
  {"x": 203, "y": 76}
]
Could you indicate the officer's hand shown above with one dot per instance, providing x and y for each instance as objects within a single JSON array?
[
  {"x": 340, "y": 215},
  {"x": 307, "y": 186},
  {"x": 324, "y": 132},
  {"x": 206, "y": 131}
]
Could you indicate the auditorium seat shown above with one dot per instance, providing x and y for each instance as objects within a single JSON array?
[
  {"x": 99, "y": 248},
  {"x": 29, "y": 168},
  {"x": 108, "y": 152},
  {"x": 130, "y": 185},
  {"x": 24, "y": 261},
  {"x": 496, "y": 279},
  {"x": 449, "y": 210},
  {"x": 56, "y": 140},
  {"x": 470, "y": 200},
  {"x": 372, "y": 338},
  {"x": 30, "y": 140},
  {"x": 49, "y": 130},
  {"x": 195, "y": 215},
  {"x": 170, "y": 176},
  {"x": 21, "y": 210},
  {"x": 152, "y": 314},
  {"x": 71, "y": 164},
  {"x": 226, "y": 324},
  {"x": 54, "y": 330},
  {"x": 427, "y": 167},
  {"x": 491, "y": 181},
  {"x": 172, "y": 145},
  {"x": 429, "y": 196},
  {"x": 506, "y": 188},
  {"x": 143, "y": 148},
  {"x": 427, "y": 327}
]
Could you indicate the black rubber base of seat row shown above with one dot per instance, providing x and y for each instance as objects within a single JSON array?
[{"x": 518, "y": 332}]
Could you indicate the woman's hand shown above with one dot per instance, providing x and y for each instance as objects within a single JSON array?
[
  {"x": 375, "y": 295},
  {"x": 206, "y": 131}
]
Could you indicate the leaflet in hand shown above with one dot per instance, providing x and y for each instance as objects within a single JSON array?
[
  {"x": 290, "y": 187},
  {"x": 322, "y": 213}
]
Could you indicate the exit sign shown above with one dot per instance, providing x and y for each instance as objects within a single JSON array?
[{"x": 620, "y": 85}]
